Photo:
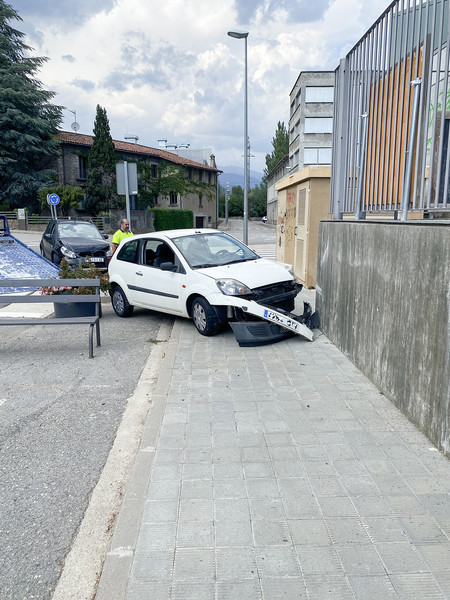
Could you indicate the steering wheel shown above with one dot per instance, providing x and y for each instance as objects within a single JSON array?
[{"x": 222, "y": 253}]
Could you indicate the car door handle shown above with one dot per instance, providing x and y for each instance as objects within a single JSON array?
[{"x": 139, "y": 273}]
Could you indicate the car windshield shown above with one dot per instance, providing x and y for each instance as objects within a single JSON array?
[
  {"x": 203, "y": 250},
  {"x": 79, "y": 230}
]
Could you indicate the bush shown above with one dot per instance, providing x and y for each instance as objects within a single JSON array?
[{"x": 166, "y": 218}]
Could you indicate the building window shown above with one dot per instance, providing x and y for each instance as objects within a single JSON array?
[
  {"x": 154, "y": 171},
  {"x": 319, "y": 94},
  {"x": 173, "y": 198},
  {"x": 317, "y": 156},
  {"x": 200, "y": 175},
  {"x": 200, "y": 201},
  {"x": 189, "y": 174},
  {"x": 319, "y": 125},
  {"x": 82, "y": 167}
]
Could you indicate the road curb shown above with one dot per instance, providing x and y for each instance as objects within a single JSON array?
[{"x": 117, "y": 566}]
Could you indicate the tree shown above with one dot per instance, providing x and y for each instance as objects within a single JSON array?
[
  {"x": 236, "y": 202},
  {"x": 28, "y": 121},
  {"x": 101, "y": 168},
  {"x": 280, "y": 143},
  {"x": 169, "y": 178},
  {"x": 257, "y": 200}
]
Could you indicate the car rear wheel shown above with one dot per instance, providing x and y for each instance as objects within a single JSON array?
[
  {"x": 205, "y": 318},
  {"x": 120, "y": 304}
]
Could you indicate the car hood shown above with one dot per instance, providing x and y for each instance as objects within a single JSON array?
[
  {"x": 253, "y": 273},
  {"x": 84, "y": 245}
]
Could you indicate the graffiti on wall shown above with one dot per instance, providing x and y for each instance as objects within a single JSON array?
[{"x": 432, "y": 112}]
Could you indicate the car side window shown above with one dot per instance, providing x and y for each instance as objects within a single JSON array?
[
  {"x": 129, "y": 252},
  {"x": 149, "y": 252},
  {"x": 156, "y": 252}
]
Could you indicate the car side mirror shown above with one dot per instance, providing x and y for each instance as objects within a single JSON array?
[
  {"x": 168, "y": 266},
  {"x": 105, "y": 236},
  {"x": 48, "y": 236}
]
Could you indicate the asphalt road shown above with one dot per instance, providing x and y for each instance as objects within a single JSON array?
[{"x": 59, "y": 413}]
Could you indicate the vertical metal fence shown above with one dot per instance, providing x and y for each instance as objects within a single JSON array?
[{"x": 392, "y": 114}]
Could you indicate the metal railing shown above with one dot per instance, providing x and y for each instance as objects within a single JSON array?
[
  {"x": 43, "y": 220},
  {"x": 392, "y": 114}
]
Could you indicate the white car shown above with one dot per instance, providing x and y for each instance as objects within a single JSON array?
[{"x": 211, "y": 277}]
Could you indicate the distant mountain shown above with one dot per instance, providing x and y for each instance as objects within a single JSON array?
[{"x": 235, "y": 176}]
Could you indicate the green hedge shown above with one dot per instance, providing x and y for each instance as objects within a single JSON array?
[{"x": 166, "y": 218}]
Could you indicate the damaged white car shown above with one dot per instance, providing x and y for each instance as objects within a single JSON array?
[{"x": 212, "y": 278}]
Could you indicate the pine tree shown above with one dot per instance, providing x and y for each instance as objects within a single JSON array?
[
  {"x": 101, "y": 168},
  {"x": 280, "y": 143},
  {"x": 28, "y": 122}
]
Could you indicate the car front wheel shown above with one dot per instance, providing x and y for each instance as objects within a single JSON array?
[
  {"x": 120, "y": 304},
  {"x": 205, "y": 318}
]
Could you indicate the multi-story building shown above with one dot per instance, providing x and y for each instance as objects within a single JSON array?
[
  {"x": 311, "y": 120},
  {"x": 71, "y": 168}
]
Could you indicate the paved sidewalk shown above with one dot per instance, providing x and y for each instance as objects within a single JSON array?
[{"x": 278, "y": 472}]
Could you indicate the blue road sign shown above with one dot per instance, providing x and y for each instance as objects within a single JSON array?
[{"x": 53, "y": 199}]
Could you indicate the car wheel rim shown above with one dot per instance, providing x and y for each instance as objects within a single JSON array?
[
  {"x": 199, "y": 317},
  {"x": 118, "y": 302}
]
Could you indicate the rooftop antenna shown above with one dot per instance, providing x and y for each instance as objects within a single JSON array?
[{"x": 75, "y": 126}]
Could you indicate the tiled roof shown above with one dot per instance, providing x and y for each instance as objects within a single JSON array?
[{"x": 80, "y": 139}]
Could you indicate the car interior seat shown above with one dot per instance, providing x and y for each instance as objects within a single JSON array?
[
  {"x": 163, "y": 254},
  {"x": 150, "y": 256}
]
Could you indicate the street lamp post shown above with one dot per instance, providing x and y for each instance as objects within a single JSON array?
[{"x": 244, "y": 35}]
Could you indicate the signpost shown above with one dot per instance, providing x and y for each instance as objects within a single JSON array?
[
  {"x": 126, "y": 178},
  {"x": 53, "y": 200}
]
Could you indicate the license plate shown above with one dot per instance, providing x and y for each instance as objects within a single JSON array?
[
  {"x": 282, "y": 320},
  {"x": 95, "y": 259}
]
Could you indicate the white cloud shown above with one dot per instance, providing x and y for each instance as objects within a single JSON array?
[{"x": 169, "y": 70}]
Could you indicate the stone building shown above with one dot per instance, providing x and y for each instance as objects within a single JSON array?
[{"x": 71, "y": 168}]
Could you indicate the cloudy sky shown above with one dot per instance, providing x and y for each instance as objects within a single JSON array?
[{"x": 168, "y": 69}]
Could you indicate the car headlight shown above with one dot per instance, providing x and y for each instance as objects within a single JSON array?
[
  {"x": 69, "y": 253},
  {"x": 293, "y": 275},
  {"x": 231, "y": 287}
]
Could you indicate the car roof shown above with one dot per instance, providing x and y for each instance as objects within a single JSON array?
[
  {"x": 174, "y": 233},
  {"x": 73, "y": 221}
]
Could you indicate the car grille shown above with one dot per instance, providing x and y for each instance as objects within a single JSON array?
[
  {"x": 97, "y": 253},
  {"x": 276, "y": 293}
]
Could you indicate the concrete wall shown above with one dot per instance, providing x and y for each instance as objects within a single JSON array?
[{"x": 383, "y": 296}]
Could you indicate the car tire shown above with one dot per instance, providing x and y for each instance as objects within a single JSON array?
[
  {"x": 120, "y": 304},
  {"x": 204, "y": 316}
]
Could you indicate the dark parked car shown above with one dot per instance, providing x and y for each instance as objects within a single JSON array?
[{"x": 75, "y": 241}]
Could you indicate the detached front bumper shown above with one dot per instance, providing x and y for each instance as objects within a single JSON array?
[
  {"x": 274, "y": 324},
  {"x": 258, "y": 333}
]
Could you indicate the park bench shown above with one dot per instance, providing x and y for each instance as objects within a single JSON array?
[{"x": 31, "y": 285}]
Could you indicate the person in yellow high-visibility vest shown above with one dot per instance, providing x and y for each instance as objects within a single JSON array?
[{"x": 121, "y": 234}]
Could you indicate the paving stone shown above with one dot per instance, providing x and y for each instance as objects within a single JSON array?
[
  {"x": 309, "y": 532},
  {"x": 401, "y": 557},
  {"x": 373, "y": 587},
  {"x": 422, "y": 528},
  {"x": 234, "y": 533},
  {"x": 237, "y": 590},
  {"x": 236, "y": 563},
  {"x": 417, "y": 586},
  {"x": 191, "y": 591},
  {"x": 192, "y": 564},
  {"x": 273, "y": 560},
  {"x": 319, "y": 560},
  {"x": 282, "y": 588}
]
